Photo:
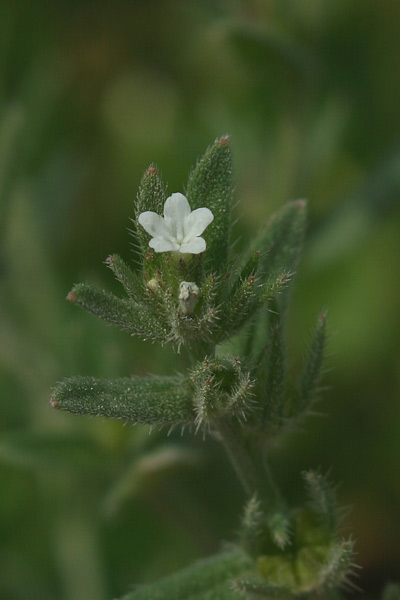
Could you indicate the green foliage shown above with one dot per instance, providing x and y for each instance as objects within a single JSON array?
[
  {"x": 132, "y": 283},
  {"x": 147, "y": 400},
  {"x": 271, "y": 375},
  {"x": 209, "y": 579},
  {"x": 198, "y": 302},
  {"x": 127, "y": 315},
  {"x": 210, "y": 185},
  {"x": 88, "y": 99},
  {"x": 151, "y": 196},
  {"x": 313, "y": 369},
  {"x": 221, "y": 387},
  {"x": 322, "y": 498},
  {"x": 283, "y": 238}
]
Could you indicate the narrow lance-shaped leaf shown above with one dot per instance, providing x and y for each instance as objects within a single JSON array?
[
  {"x": 248, "y": 269},
  {"x": 280, "y": 244},
  {"x": 103, "y": 304},
  {"x": 322, "y": 498},
  {"x": 272, "y": 373},
  {"x": 248, "y": 298},
  {"x": 147, "y": 400},
  {"x": 282, "y": 241},
  {"x": 151, "y": 197},
  {"x": 210, "y": 185},
  {"x": 339, "y": 566},
  {"x": 313, "y": 370},
  {"x": 221, "y": 591},
  {"x": 125, "y": 314},
  {"x": 196, "y": 580},
  {"x": 251, "y": 526},
  {"x": 132, "y": 282},
  {"x": 279, "y": 525},
  {"x": 261, "y": 590}
]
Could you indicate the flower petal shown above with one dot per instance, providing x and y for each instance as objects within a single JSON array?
[
  {"x": 195, "y": 246},
  {"x": 152, "y": 223},
  {"x": 176, "y": 207},
  {"x": 160, "y": 244},
  {"x": 196, "y": 222}
]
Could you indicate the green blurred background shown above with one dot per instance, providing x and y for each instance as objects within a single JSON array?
[{"x": 90, "y": 94}]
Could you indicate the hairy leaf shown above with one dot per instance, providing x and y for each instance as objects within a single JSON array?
[
  {"x": 125, "y": 314},
  {"x": 146, "y": 400},
  {"x": 313, "y": 369},
  {"x": 322, "y": 498},
  {"x": 151, "y": 197},
  {"x": 131, "y": 281},
  {"x": 210, "y": 185},
  {"x": 201, "y": 578}
]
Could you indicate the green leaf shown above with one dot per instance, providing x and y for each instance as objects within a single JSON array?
[
  {"x": 210, "y": 185},
  {"x": 246, "y": 270},
  {"x": 339, "y": 565},
  {"x": 279, "y": 525},
  {"x": 271, "y": 374},
  {"x": 131, "y": 281},
  {"x": 313, "y": 370},
  {"x": 125, "y": 314},
  {"x": 252, "y": 526},
  {"x": 151, "y": 196},
  {"x": 196, "y": 581},
  {"x": 278, "y": 573},
  {"x": 249, "y": 296},
  {"x": 147, "y": 400},
  {"x": 322, "y": 498},
  {"x": 222, "y": 591},
  {"x": 254, "y": 588},
  {"x": 221, "y": 387},
  {"x": 282, "y": 241}
]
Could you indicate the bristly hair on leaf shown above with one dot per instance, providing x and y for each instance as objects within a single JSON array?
[
  {"x": 210, "y": 185},
  {"x": 322, "y": 498},
  {"x": 229, "y": 313}
]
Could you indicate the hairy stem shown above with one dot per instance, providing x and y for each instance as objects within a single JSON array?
[{"x": 250, "y": 465}]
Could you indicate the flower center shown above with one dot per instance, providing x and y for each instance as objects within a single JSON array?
[{"x": 180, "y": 231}]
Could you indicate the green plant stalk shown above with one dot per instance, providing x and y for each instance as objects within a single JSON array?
[{"x": 251, "y": 468}]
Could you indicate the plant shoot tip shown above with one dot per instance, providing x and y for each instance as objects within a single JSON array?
[
  {"x": 54, "y": 403},
  {"x": 223, "y": 140}
]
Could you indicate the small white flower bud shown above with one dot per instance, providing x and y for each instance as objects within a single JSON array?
[{"x": 188, "y": 296}]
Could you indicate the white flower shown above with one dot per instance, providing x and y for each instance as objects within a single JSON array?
[{"x": 180, "y": 228}]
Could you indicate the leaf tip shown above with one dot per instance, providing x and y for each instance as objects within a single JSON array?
[
  {"x": 53, "y": 402},
  {"x": 71, "y": 296},
  {"x": 151, "y": 170},
  {"x": 223, "y": 140}
]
